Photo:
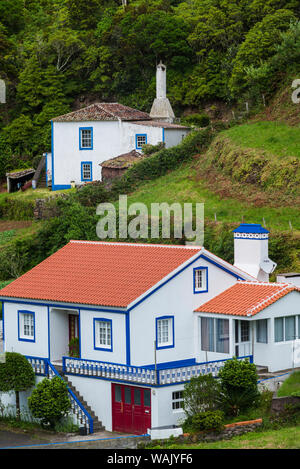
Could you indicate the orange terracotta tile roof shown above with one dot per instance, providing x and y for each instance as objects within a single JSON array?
[
  {"x": 99, "y": 273},
  {"x": 246, "y": 298}
]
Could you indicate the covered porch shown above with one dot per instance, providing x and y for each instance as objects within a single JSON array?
[{"x": 64, "y": 334}]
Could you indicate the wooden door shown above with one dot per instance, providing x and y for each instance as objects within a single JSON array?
[{"x": 131, "y": 409}]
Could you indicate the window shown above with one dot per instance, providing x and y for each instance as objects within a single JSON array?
[
  {"x": 177, "y": 400},
  {"x": 140, "y": 140},
  {"x": 165, "y": 332},
  {"x": 26, "y": 326},
  {"x": 86, "y": 171},
  {"x": 200, "y": 280},
  {"x": 262, "y": 331},
  {"x": 103, "y": 334},
  {"x": 215, "y": 335},
  {"x": 245, "y": 331},
  {"x": 86, "y": 138},
  {"x": 285, "y": 328}
]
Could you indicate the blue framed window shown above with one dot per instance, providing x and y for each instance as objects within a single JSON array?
[
  {"x": 103, "y": 334},
  {"x": 164, "y": 332},
  {"x": 85, "y": 138},
  {"x": 26, "y": 326},
  {"x": 140, "y": 140},
  {"x": 200, "y": 279},
  {"x": 86, "y": 171}
]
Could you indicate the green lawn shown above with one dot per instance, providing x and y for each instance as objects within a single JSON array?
[
  {"x": 285, "y": 438},
  {"x": 274, "y": 137},
  {"x": 31, "y": 195},
  {"x": 183, "y": 185},
  {"x": 290, "y": 385}
]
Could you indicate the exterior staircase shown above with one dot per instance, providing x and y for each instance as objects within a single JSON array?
[{"x": 97, "y": 424}]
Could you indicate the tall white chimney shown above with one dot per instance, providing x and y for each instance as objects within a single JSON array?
[
  {"x": 161, "y": 108},
  {"x": 251, "y": 251}
]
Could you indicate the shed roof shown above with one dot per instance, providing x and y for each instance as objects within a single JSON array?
[
  {"x": 246, "y": 298},
  {"x": 20, "y": 174},
  {"x": 123, "y": 161},
  {"x": 103, "y": 112}
]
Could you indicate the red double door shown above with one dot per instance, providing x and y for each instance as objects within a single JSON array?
[{"x": 131, "y": 409}]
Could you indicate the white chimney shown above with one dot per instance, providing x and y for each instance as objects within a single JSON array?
[
  {"x": 251, "y": 251},
  {"x": 161, "y": 108}
]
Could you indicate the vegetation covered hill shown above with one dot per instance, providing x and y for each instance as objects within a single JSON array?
[{"x": 58, "y": 55}]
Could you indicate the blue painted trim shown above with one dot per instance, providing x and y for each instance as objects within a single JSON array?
[
  {"x": 222, "y": 268},
  {"x": 60, "y": 187},
  {"x": 92, "y": 142},
  {"x": 64, "y": 306},
  {"x": 172, "y": 345},
  {"x": 136, "y": 137},
  {"x": 48, "y": 315},
  {"x": 127, "y": 333},
  {"x": 25, "y": 311},
  {"x": 194, "y": 278},
  {"x": 104, "y": 349},
  {"x": 255, "y": 239},
  {"x": 3, "y": 328},
  {"x": 52, "y": 153},
  {"x": 91, "y": 166},
  {"x": 163, "y": 135},
  {"x": 173, "y": 364},
  {"x": 180, "y": 271}
]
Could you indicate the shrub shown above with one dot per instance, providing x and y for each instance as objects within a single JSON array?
[
  {"x": 239, "y": 390},
  {"x": 74, "y": 347},
  {"x": 199, "y": 120},
  {"x": 49, "y": 401},
  {"x": 91, "y": 195},
  {"x": 201, "y": 393},
  {"x": 209, "y": 420},
  {"x": 16, "y": 374}
]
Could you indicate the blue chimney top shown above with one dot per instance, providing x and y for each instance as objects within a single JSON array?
[{"x": 252, "y": 228}]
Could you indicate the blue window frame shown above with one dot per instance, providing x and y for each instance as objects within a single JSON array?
[
  {"x": 200, "y": 279},
  {"x": 86, "y": 170},
  {"x": 26, "y": 326},
  {"x": 140, "y": 140},
  {"x": 164, "y": 332},
  {"x": 103, "y": 338},
  {"x": 85, "y": 138}
]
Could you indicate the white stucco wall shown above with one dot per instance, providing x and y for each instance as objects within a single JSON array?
[
  {"x": 110, "y": 139},
  {"x": 39, "y": 348},
  {"x": 177, "y": 299}
]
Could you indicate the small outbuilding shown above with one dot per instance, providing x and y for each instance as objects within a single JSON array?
[
  {"x": 116, "y": 167},
  {"x": 17, "y": 179}
]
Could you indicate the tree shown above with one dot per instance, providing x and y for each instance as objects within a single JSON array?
[
  {"x": 238, "y": 382},
  {"x": 49, "y": 401},
  {"x": 16, "y": 374}
]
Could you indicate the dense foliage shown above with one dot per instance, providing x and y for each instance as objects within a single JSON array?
[
  {"x": 56, "y": 55},
  {"x": 16, "y": 374},
  {"x": 49, "y": 401}
]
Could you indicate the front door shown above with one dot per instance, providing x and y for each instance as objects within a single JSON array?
[
  {"x": 131, "y": 409},
  {"x": 242, "y": 338},
  {"x": 73, "y": 326}
]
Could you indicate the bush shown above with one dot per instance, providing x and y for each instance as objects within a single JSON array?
[
  {"x": 209, "y": 420},
  {"x": 91, "y": 195},
  {"x": 239, "y": 390},
  {"x": 201, "y": 393},
  {"x": 199, "y": 120},
  {"x": 49, "y": 401}
]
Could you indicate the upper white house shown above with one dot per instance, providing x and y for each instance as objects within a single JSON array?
[
  {"x": 147, "y": 318},
  {"x": 83, "y": 139}
]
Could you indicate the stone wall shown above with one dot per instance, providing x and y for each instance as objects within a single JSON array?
[
  {"x": 279, "y": 403},
  {"x": 46, "y": 208}
]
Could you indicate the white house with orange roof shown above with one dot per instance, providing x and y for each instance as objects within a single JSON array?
[{"x": 146, "y": 319}]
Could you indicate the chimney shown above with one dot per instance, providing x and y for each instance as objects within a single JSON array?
[
  {"x": 251, "y": 251},
  {"x": 161, "y": 108}
]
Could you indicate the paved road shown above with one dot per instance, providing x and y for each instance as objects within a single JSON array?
[{"x": 13, "y": 439}]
